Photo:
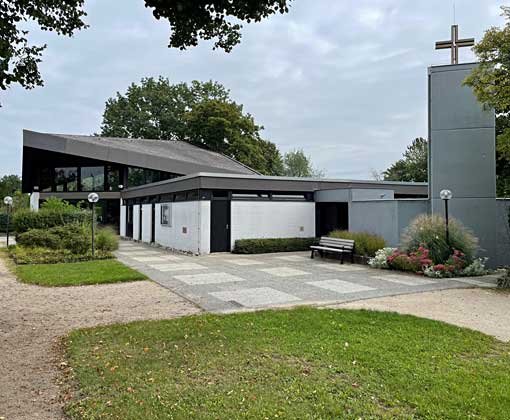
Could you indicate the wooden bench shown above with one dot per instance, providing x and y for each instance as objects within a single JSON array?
[{"x": 334, "y": 245}]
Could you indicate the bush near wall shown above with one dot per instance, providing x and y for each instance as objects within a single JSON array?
[
  {"x": 3, "y": 222},
  {"x": 365, "y": 244},
  {"x": 25, "y": 220},
  {"x": 262, "y": 246}
]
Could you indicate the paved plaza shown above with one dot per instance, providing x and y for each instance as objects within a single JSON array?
[{"x": 229, "y": 282}]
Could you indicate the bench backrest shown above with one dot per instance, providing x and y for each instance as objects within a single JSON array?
[{"x": 346, "y": 244}]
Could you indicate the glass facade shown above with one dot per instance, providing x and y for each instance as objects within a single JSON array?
[
  {"x": 97, "y": 178},
  {"x": 66, "y": 179},
  {"x": 92, "y": 178}
]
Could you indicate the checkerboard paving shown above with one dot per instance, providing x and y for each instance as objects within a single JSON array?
[
  {"x": 225, "y": 283},
  {"x": 283, "y": 272},
  {"x": 244, "y": 262},
  {"x": 405, "y": 280},
  {"x": 208, "y": 278},
  {"x": 340, "y": 286},
  {"x": 163, "y": 258},
  {"x": 259, "y": 296},
  {"x": 177, "y": 267}
]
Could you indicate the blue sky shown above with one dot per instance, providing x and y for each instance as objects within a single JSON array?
[{"x": 345, "y": 81}]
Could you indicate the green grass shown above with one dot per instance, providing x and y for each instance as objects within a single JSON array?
[
  {"x": 77, "y": 274},
  {"x": 298, "y": 364}
]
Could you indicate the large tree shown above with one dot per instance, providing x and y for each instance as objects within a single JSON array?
[
  {"x": 200, "y": 113},
  {"x": 490, "y": 81},
  {"x": 8, "y": 185},
  {"x": 297, "y": 164},
  {"x": 220, "y": 20},
  {"x": 413, "y": 165},
  {"x": 190, "y": 21},
  {"x": 19, "y": 60}
]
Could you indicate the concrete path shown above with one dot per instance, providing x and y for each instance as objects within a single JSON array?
[{"x": 227, "y": 282}]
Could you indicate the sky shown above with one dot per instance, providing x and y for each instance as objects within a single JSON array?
[{"x": 346, "y": 81}]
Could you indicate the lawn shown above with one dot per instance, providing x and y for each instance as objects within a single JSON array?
[
  {"x": 77, "y": 274},
  {"x": 292, "y": 364}
]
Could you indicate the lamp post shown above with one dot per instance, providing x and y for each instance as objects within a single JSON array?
[
  {"x": 93, "y": 198},
  {"x": 446, "y": 195},
  {"x": 8, "y": 203}
]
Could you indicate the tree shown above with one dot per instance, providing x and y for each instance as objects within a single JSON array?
[
  {"x": 490, "y": 81},
  {"x": 212, "y": 19},
  {"x": 200, "y": 113},
  {"x": 222, "y": 127},
  {"x": 9, "y": 184},
  {"x": 297, "y": 164},
  {"x": 413, "y": 166},
  {"x": 19, "y": 61}
]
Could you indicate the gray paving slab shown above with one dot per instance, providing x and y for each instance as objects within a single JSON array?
[{"x": 228, "y": 282}]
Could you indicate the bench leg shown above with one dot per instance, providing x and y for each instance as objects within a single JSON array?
[
  {"x": 311, "y": 256},
  {"x": 342, "y": 259},
  {"x": 352, "y": 257}
]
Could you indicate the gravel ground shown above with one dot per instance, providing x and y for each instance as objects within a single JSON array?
[
  {"x": 483, "y": 310},
  {"x": 33, "y": 318}
]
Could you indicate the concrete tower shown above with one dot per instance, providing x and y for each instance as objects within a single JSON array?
[{"x": 462, "y": 154}]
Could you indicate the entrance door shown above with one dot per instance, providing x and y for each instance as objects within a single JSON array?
[
  {"x": 220, "y": 226},
  {"x": 331, "y": 216},
  {"x": 140, "y": 220},
  {"x": 129, "y": 221},
  {"x": 153, "y": 227}
]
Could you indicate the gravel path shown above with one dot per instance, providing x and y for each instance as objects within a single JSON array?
[
  {"x": 32, "y": 319},
  {"x": 483, "y": 310}
]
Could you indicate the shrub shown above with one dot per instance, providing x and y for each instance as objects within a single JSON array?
[
  {"x": 429, "y": 232},
  {"x": 25, "y": 220},
  {"x": 476, "y": 268},
  {"x": 72, "y": 237},
  {"x": 381, "y": 258},
  {"x": 34, "y": 238},
  {"x": 3, "y": 222},
  {"x": 415, "y": 261},
  {"x": 504, "y": 279},
  {"x": 365, "y": 244},
  {"x": 23, "y": 255},
  {"x": 107, "y": 240},
  {"x": 261, "y": 246}
]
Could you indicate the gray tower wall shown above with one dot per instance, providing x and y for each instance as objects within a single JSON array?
[{"x": 462, "y": 155}]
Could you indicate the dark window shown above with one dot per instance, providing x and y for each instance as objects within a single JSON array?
[
  {"x": 112, "y": 178},
  {"x": 92, "y": 178},
  {"x": 166, "y": 215},
  {"x": 46, "y": 180},
  {"x": 66, "y": 179},
  {"x": 136, "y": 177}
]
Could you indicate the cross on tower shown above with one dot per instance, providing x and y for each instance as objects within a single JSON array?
[{"x": 455, "y": 43}]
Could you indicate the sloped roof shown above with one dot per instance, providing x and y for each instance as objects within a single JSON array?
[{"x": 165, "y": 155}]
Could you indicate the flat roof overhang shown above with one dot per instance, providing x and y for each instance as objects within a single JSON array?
[{"x": 218, "y": 181}]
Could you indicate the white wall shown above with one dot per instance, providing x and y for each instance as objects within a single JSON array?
[
  {"x": 122, "y": 221},
  {"x": 136, "y": 222},
  {"x": 272, "y": 219},
  {"x": 146, "y": 222},
  {"x": 190, "y": 227}
]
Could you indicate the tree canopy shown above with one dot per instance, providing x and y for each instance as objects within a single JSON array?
[
  {"x": 490, "y": 81},
  {"x": 297, "y": 164},
  {"x": 19, "y": 60},
  {"x": 200, "y": 113},
  {"x": 413, "y": 166},
  {"x": 220, "y": 20}
]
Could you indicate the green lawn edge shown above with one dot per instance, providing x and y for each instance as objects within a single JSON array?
[
  {"x": 298, "y": 363},
  {"x": 85, "y": 273}
]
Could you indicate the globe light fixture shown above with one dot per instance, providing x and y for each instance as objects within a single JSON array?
[
  {"x": 93, "y": 198},
  {"x": 446, "y": 195},
  {"x": 8, "y": 203}
]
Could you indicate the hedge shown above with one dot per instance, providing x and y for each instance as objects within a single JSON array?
[
  {"x": 365, "y": 244},
  {"x": 22, "y": 255},
  {"x": 25, "y": 220},
  {"x": 262, "y": 246}
]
